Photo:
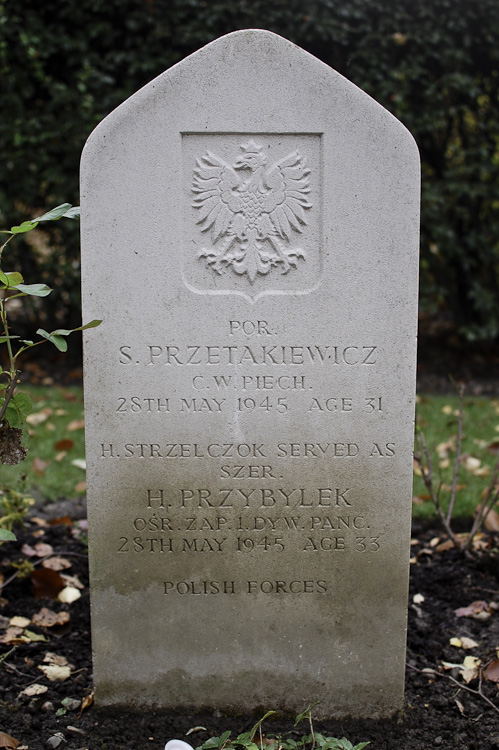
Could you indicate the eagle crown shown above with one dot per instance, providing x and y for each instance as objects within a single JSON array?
[{"x": 251, "y": 158}]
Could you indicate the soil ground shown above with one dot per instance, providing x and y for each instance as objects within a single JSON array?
[{"x": 440, "y": 710}]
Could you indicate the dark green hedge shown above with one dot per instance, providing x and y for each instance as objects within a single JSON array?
[{"x": 434, "y": 63}]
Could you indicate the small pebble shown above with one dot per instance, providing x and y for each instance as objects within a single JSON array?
[
  {"x": 437, "y": 741},
  {"x": 48, "y": 707},
  {"x": 55, "y": 740},
  {"x": 74, "y": 730},
  {"x": 72, "y": 704}
]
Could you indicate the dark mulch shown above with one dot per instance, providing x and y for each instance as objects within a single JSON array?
[{"x": 438, "y": 712}]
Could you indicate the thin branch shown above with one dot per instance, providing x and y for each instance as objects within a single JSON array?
[
  {"x": 460, "y": 390},
  {"x": 452, "y": 679},
  {"x": 8, "y": 395},
  {"x": 487, "y": 504},
  {"x": 427, "y": 475}
]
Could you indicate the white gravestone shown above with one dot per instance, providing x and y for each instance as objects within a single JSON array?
[{"x": 249, "y": 239}]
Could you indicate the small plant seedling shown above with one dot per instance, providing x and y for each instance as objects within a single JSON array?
[
  {"x": 280, "y": 742},
  {"x": 15, "y": 406}
]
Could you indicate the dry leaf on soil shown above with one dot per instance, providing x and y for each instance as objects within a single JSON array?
[
  {"x": 46, "y": 618},
  {"x": 68, "y": 595},
  {"x": 56, "y": 563},
  {"x": 492, "y": 671},
  {"x": 478, "y": 610},
  {"x": 86, "y": 702},
  {"x": 464, "y": 642},
  {"x": 72, "y": 581},
  {"x": 54, "y": 672},
  {"x": 34, "y": 689},
  {"x": 7, "y": 741},
  {"x": 19, "y": 622},
  {"x": 46, "y": 583}
]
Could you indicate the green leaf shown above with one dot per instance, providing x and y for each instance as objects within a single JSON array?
[
  {"x": 13, "y": 279},
  {"x": 73, "y": 213},
  {"x": 4, "y": 278},
  {"x": 54, "y": 213},
  {"x": 68, "y": 331},
  {"x": 13, "y": 417},
  {"x": 26, "y": 226},
  {"x": 7, "y": 536},
  {"x": 3, "y": 339},
  {"x": 55, "y": 339},
  {"x": 34, "y": 290},
  {"x": 22, "y": 402}
]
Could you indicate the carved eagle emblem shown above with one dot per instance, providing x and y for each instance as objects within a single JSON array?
[{"x": 252, "y": 210}]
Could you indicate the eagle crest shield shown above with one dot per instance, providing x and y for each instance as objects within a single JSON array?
[{"x": 252, "y": 211}]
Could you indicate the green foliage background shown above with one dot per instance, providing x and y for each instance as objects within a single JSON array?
[{"x": 65, "y": 64}]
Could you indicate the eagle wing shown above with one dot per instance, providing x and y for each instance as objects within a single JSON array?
[
  {"x": 215, "y": 183},
  {"x": 287, "y": 197}
]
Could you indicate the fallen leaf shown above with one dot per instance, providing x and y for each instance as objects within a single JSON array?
[
  {"x": 54, "y": 672},
  {"x": 470, "y": 668},
  {"x": 61, "y": 521},
  {"x": 34, "y": 689},
  {"x": 39, "y": 467},
  {"x": 36, "y": 418},
  {"x": 72, "y": 581},
  {"x": 60, "y": 412},
  {"x": 444, "y": 463},
  {"x": 460, "y": 706},
  {"x": 81, "y": 486},
  {"x": 34, "y": 637},
  {"x": 57, "y": 659},
  {"x": 56, "y": 563},
  {"x": 416, "y": 469},
  {"x": 64, "y": 445},
  {"x": 39, "y": 521},
  {"x": 76, "y": 424},
  {"x": 444, "y": 546},
  {"x": 483, "y": 471},
  {"x": 50, "y": 426},
  {"x": 7, "y": 741},
  {"x": 69, "y": 594},
  {"x": 470, "y": 463},
  {"x": 418, "y": 598},
  {"x": 478, "y": 610},
  {"x": 59, "y": 456},
  {"x": 46, "y": 583},
  {"x": 80, "y": 463},
  {"x": 42, "y": 549},
  {"x": 27, "y": 550},
  {"x": 447, "y": 409},
  {"x": 463, "y": 642},
  {"x": 86, "y": 702},
  {"x": 492, "y": 671},
  {"x": 46, "y": 618},
  {"x": 19, "y": 622},
  {"x": 14, "y": 636},
  {"x": 492, "y": 521}
]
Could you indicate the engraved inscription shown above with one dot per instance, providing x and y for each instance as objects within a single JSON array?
[{"x": 252, "y": 210}]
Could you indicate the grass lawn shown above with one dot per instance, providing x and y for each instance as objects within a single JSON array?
[
  {"x": 55, "y": 443},
  {"x": 54, "y": 467},
  {"x": 436, "y": 418}
]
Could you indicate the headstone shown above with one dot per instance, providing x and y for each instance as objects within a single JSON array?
[{"x": 249, "y": 239}]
